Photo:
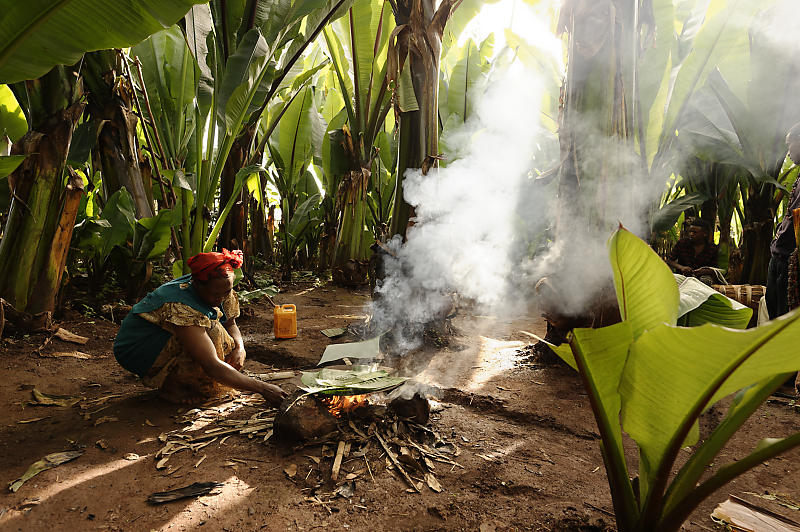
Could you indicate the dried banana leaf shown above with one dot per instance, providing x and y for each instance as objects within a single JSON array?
[
  {"x": 192, "y": 490},
  {"x": 48, "y": 462},
  {"x": 45, "y": 399}
]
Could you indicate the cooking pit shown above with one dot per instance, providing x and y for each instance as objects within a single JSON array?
[{"x": 364, "y": 416}]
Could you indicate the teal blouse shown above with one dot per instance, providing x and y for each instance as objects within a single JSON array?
[{"x": 139, "y": 342}]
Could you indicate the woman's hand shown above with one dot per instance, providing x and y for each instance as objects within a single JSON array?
[
  {"x": 272, "y": 394},
  {"x": 236, "y": 357}
]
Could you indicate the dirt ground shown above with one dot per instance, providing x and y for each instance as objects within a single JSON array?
[{"x": 528, "y": 441}]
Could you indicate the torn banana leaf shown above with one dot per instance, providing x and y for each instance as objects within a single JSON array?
[
  {"x": 48, "y": 462},
  {"x": 358, "y": 380},
  {"x": 699, "y": 304},
  {"x": 369, "y": 349}
]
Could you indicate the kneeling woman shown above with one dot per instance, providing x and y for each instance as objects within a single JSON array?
[{"x": 182, "y": 337}]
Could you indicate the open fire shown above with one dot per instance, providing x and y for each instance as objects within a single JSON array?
[{"x": 339, "y": 404}]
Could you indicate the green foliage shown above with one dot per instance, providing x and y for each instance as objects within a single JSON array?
[
  {"x": 653, "y": 380},
  {"x": 12, "y": 119},
  {"x": 116, "y": 230},
  {"x": 38, "y": 34},
  {"x": 9, "y": 163}
]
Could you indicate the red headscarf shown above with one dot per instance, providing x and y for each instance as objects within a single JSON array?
[{"x": 205, "y": 265}]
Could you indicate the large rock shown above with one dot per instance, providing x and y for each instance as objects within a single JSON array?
[
  {"x": 302, "y": 417},
  {"x": 415, "y": 408}
]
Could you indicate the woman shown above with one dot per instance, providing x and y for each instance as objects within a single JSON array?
[{"x": 182, "y": 338}]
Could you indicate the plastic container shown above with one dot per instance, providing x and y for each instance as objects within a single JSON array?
[{"x": 285, "y": 321}]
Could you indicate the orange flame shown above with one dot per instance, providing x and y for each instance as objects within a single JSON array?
[{"x": 339, "y": 404}]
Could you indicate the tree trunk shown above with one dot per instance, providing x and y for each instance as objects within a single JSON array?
[{"x": 39, "y": 226}]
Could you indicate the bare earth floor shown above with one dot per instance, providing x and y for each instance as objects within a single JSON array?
[{"x": 528, "y": 442}]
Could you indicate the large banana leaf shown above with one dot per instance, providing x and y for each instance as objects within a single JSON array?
[
  {"x": 300, "y": 132},
  {"x": 151, "y": 236},
  {"x": 36, "y": 35},
  {"x": 244, "y": 73},
  {"x": 679, "y": 372},
  {"x": 646, "y": 291},
  {"x": 718, "y": 36},
  {"x": 171, "y": 76},
  {"x": 471, "y": 66}
]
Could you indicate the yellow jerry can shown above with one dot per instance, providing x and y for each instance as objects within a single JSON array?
[{"x": 285, "y": 321}]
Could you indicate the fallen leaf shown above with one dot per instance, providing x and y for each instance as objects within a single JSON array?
[
  {"x": 171, "y": 470},
  {"x": 291, "y": 471},
  {"x": 103, "y": 444},
  {"x": 131, "y": 456},
  {"x": 432, "y": 483},
  {"x": 346, "y": 490},
  {"x": 70, "y": 354},
  {"x": 334, "y": 333},
  {"x": 28, "y": 503},
  {"x": 192, "y": 490},
  {"x": 48, "y": 462},
  {"x": 63, "y": 334},
  {"x": 104, "y": 419},
  {"x": 148, "y": 423},
  {"x": 200, "y": 461},
  {"x": 33, "y": 420},
  {"x": 161, "y": 464},
  {"x": 743, "y": 515},
  {"x": 45, "y": 399},
  {"x": 355, "y": 474}
]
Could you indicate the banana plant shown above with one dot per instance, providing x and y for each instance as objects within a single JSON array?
[
  {"x": 39, "y": 225},
  {"x": 211, "y": 92},
  {"x": 116, "y": 240},
  {"x": 357, "y": 45},
  {"x": 33, "y": 40},
  {"x": 464, "y": 70},
  {"x": 651, "y": 379},
  {"x": 741, "y": 122},
  {"x": 297, "y": 141},
  {"x": 414, "y": 51}
]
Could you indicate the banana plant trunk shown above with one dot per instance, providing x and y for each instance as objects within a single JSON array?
[
  {"x": 418, "y": 46},
  {"x": 42, "y": 215},
  {"x": 234, "y": 230},
  {"x": 351, "y": 252},
  {"x": 757, "y": 235},
  {"x": 596, "y": 144},
  {"x": 110, "y": 103}
]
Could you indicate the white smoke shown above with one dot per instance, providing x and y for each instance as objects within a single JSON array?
[
  {"x": 466, "y": 221},
  {"x": 477, "y": 217}
]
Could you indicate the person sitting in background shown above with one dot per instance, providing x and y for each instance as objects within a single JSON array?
[
  {"x": 784, "y": 243},
  {"x": 695, "y": 255},
  {"x": 182, "y": 338}
]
